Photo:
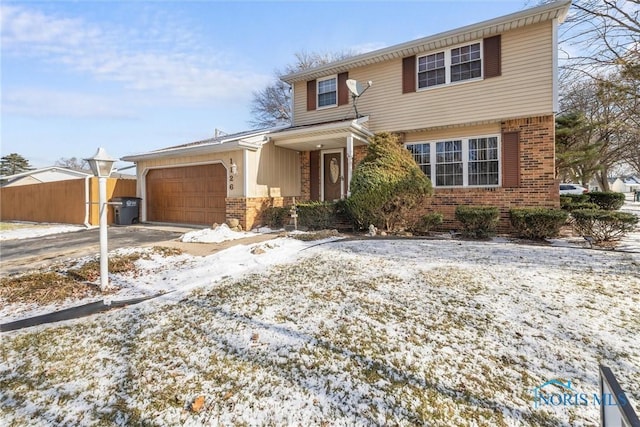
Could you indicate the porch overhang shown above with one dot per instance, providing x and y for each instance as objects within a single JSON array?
[{"x": 323, "y": 136}]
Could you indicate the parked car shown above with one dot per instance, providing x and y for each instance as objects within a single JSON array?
[{"x": 572, "y": 189}]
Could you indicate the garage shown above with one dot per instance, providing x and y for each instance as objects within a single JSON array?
[{"x": 187, "y": 195}]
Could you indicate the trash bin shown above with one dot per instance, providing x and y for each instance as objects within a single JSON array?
[{"x": 126, "y": 210}]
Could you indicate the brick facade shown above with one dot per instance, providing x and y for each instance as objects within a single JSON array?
[
  {"x": 538, "y": 185},
  {"x": 249, "y": 210},
  {"x": 305, "y": 173}
]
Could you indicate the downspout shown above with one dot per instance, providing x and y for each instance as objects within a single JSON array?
[
  {"x": 245, "y": 174},
  {"x": 87, "y": 202}
]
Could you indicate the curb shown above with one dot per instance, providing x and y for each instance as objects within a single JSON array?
[{"x": 71, "y": 313}]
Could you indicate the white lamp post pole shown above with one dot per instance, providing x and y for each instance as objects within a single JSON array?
[
  {"x": 101, "y": 164},
  {"x": 104, "y": 251}
]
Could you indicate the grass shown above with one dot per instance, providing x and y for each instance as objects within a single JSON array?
[
  {"x": 44, "y": 288},
  {"x": 317, "y": 235},
  {"x": 339, "y": 338},
  {"x": 6, "y": 226},
  {"x": 64, "y": 283}
]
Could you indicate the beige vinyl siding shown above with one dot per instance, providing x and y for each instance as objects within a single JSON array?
[
  {"x": 454, "y": 132},
  {"x": 524, "y": 89},
  {"x": 274, "y": 169}
]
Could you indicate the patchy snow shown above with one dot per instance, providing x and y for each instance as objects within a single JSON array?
[
  {"x": 221, "y": 233},
  {"x": 28, "y": 231},
  {"x": 356, "y": 332}
]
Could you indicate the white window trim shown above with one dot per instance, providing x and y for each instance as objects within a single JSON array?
[
  {"x": 447, "y": 66},
  {"x": 465, "y": 160},
  {"x": 324, "y": 107}
]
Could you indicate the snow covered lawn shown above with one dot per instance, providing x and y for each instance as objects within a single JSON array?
[
  {"x": 26, "y": 230},
  {"x": 364, "y": 332}
]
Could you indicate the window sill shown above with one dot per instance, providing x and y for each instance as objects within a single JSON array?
[
  {"x": 468, "y": 187},
  {"x": 326, "y": 107},
  {"x": 442, "y": 86}
]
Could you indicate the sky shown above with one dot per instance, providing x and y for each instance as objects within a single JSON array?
[{"x": 134, "y": 76}]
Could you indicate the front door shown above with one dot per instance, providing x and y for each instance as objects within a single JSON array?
[{"x": 332, "y": 175}]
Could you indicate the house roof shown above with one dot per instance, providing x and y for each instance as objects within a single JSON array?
[
  {"x": 630, "y": 180},
  {"x": 330, "y": 134},
  {"x": 59, "y": 169},
  {"x": 246, "y": 140},
  {"x": 48, "y": 174},
  {"x": 555, "y": 10}
]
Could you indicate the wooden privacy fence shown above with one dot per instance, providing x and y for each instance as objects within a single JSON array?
[{"x": 63, "y": 202}]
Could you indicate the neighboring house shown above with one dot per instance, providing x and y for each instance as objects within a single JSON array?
[
  {"x": 475, "y": 106},
  {"x": 626, "y": 184},
  {"x": 38, "y": 176}
]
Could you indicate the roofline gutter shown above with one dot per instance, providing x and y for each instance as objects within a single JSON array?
[
  {"x": 357, "y": 124},
  {"x": 394, "y": 50},
  {"x": 217, "y": 147}
]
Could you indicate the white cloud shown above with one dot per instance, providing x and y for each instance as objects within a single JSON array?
[
  {"x": 171, "y": 65},
  {"x": 47, "y": 103}
]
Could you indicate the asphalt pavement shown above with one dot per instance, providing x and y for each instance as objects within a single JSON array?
[{"x": 27, "y": 254}]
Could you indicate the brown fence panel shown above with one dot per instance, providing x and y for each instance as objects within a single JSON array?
[
  {"x": 115, "y": 188},
  {"x": 61, "y": 202},
  {"x": 58, "y": 202}
]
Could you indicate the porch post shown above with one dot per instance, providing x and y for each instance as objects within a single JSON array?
[{"x": 349, "y": 163}]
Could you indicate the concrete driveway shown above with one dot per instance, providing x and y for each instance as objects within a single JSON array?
[{"x": 28, "y": 254}]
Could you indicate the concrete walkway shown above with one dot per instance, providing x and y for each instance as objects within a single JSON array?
[{"x": 205, "y": 249}]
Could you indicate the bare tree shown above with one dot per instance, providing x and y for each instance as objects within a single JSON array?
[
  {"x": 271, "y": 106},
  {"x": 602, "y": 35},
  {"x": 597, "y": 129},
  {"x": 72, "y": 163}
]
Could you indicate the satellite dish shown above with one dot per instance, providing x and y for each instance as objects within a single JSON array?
[{"x": 357, "y": 89}]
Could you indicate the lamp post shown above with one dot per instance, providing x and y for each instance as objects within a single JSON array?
[{"x": 101, "y": 165}]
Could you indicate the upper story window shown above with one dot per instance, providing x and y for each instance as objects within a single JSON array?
[
  {"x": 431, "y": 70},
  {"x": 452, "y": 65},
  {"x": 462, "y": 162},
  {"x": 465, "y": 62},
  {"x": 328, "y": 92}
]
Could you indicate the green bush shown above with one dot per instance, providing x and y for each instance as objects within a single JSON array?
[
  {"x": 571, "y": 202},
  {"x": 607, "y": 200},
  {"x": 576, "y": 198},
  {"x": 386, "y": 185},
  {"x": 428, "y": 222},
  {"x": 579, "y": 205},
  {"x": 603, "y": 226},
  {"x": 275, "y": 217},
  {"x": 316, "y": 215},
  {"x": 478, "y": 221},
  {"x": 538, "y": 223}
]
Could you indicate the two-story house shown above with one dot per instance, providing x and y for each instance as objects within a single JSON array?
[{"x": 475, "y": 106}]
